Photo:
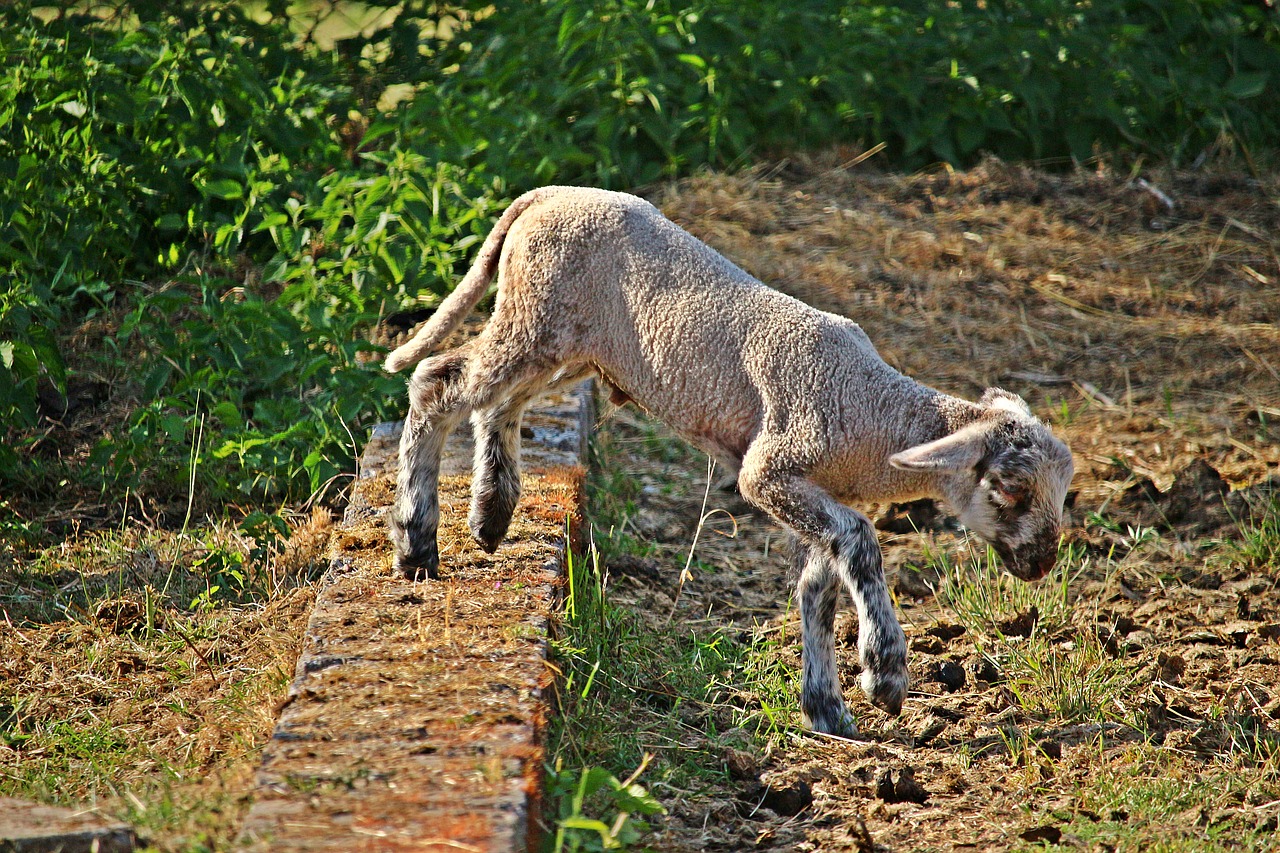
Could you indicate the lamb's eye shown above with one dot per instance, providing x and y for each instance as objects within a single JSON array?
[{"x": 1008, "y": 494}]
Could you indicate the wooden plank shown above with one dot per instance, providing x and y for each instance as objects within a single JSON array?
[{"x": 416, "y": 715}]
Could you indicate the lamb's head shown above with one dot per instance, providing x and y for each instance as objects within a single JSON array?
[{"x": 1005, "y": 476}]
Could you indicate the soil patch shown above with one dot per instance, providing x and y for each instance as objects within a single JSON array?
[{"x": 1139, "y": 702}]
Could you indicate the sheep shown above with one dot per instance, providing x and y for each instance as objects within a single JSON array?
[{"x": 796, "y": 400}]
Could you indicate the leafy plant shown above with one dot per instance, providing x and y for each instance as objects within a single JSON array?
[
  {"x": 270, "y": 400},
  {"x": 593, "y": 790},
  {"x": 235, "y": 177}
]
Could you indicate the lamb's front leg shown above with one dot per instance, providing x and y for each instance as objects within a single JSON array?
[
  {"x": 821, "y": 701},
  {"x": 882, "y": 646},
  {"x": 847, "y": 540}
]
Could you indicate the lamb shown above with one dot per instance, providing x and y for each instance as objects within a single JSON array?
[{"x": 796, "y": 400}]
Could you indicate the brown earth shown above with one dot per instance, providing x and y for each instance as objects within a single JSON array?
[{"x": 1146, "y": 335}]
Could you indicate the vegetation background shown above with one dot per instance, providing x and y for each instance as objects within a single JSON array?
[
  {"x": 211, "y": 214},
  {"x": 206, "y": 208}
]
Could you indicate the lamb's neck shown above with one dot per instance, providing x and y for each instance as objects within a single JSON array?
[
  {"x": 928, "y": 416},
  {"x": 935, "y": 415}
]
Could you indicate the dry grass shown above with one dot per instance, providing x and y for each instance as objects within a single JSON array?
[{"x": 127, "y": 683}]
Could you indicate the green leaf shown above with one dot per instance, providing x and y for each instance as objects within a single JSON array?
[
  {"x": 228, "y": 415},
  {"x": 223, "y": 188},
  {"x": 1247, "y": 85},
  {"x": 579, "y": 822},
  {"x": 693, "y": 59},
  {"x": 156, "y": 379},
  {"x": 174, "y": 425}
]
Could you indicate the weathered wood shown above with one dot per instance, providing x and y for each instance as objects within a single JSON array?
[
  {"x": 416, "y": 715},
  {"x": 27, "y": 827}
]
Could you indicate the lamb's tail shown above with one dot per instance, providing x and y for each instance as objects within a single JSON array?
[{"x": 458, "y": 304}]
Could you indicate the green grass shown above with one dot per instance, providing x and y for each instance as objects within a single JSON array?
[
  {"x": 620, "y": 669},
  {"x": 647, "y": 698},
  {"x": 1146, "y": 798},
  {"x": 1060, "y": 671},
  {"x": 1259, "y": 544}
]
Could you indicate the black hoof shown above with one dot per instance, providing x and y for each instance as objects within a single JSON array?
[
  {"x": 490, "y": 516},
  {"x": 490, "y": 534},
  {"x": 417, "y": 556},
  {"x": 421, "y": 566},
  {"x": 886, "y": 690}
]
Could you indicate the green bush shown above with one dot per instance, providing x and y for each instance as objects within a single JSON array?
[
  {"x": 126, "y": 155},
  {"x": 122, "y": 152},
  {"x": 225, "y": 192},
  {"x": 623, "y": 92},
  {"x": 178, "y": 153}
]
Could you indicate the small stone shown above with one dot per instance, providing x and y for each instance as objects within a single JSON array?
[
  {"x": 788, "y": 799},
  {"x": 741, "y": 765},
  {"x": 950, "y": 675}
]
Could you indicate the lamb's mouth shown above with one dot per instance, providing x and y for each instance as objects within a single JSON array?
[{"x": 1029, "y": 564}]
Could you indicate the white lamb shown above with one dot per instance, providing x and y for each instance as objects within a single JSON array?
[{"x": 795, "y": 399}]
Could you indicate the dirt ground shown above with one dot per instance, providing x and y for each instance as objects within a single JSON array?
[{"x": 1139, "y": 320}]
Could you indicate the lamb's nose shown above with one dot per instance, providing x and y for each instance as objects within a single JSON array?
[{"x": 1044, "y": 565}]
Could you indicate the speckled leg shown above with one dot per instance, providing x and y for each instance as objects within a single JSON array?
[
  {"x": 495, "y": 481},
  {"x": 821, "y": 702},
  {"x": 436, "y": 405},
  {"x": 846, "y": 540}
]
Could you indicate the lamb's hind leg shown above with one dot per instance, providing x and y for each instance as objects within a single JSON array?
[
  {"x": 495, "y": 481},
  {"x": 847, "y": 540},
  {"x": 436, "y": 404}
]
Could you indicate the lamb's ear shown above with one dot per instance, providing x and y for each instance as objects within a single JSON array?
[
  {"x": 959, "y": 451},
  {"x": 998, "y": 398}
]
